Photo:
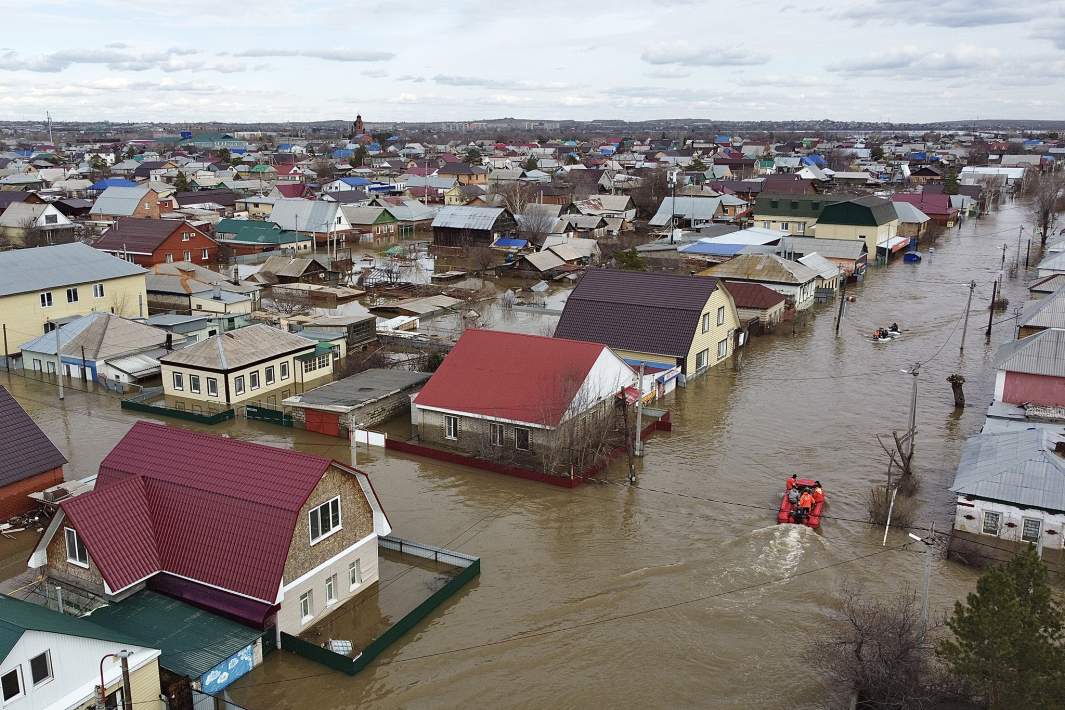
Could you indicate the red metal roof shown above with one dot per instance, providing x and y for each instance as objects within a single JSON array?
[
  {"x": 931, "y": 204},
  {"x": 295, "y": 189},
  {"x": 525, "y": 378},
  {"x": 752, "y": 295},
  {"x": 217, "y": 510}
]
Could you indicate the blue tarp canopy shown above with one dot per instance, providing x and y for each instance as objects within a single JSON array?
[
  {"x": 814, "y": 159},
  {"x": 112, "y": 182},
  {"x": 511, "y": 243}
]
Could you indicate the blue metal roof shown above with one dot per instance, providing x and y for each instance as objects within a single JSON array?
[
  {"x": 343, "y": 153},
  {"x": 112, "y": 182},
  {"x": 506, "y": 242},
  {"x": 813, "y": 159},
  {"x": 355, "y": 181},
  {"x": 712, "y": 249}
]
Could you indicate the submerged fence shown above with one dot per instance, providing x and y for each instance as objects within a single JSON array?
[{"x": 150, "y": 402}]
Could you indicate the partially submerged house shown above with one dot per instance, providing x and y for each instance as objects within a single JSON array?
[
  {"x": 756, "y": 304},
  {"x": 362, "y": 400},
  {"x": 465, "y": 226},
  {"x": 796, "y": 282},
  {"x": 29, "y": 461},
  {"x": 1031, "y": 371},
  {"x": 162, "y": 517},
  {"x": 869, "y": 219}
]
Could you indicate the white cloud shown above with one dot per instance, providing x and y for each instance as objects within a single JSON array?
[
  {"x": 333, "y": 55},
  {"x": 684, "y": 54}
]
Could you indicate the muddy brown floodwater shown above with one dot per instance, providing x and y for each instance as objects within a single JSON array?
[{"x": 610, "y": 595}]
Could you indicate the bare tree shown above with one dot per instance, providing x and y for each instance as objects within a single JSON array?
[
  {"x": 535, "y": 224},
  {"x": 325, "y": 169},
  {"x": 286, "y": 302},
  {"x": 1048, "y": 201},
  {"x": 840, "y": 160},
  {"x": 879, "y": 652},
  {"x": 516, "y": 195},
  {"x": 654, "y": 186}
]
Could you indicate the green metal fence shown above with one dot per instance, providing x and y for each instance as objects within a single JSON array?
[
  {"x": 143, "y": 402},
  {"x": 266, "y": 414},
  {"x": 471, "y": 567}
]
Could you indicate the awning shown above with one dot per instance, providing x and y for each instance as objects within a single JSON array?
[
  {"x": 136, "y": 366},
  {"x": 894, "y": 244}
]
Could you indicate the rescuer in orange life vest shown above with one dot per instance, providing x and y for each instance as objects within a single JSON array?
[{"x": 806, "y": 501}]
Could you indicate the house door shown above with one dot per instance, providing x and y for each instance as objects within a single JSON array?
[{"x": 323, "y": 422}]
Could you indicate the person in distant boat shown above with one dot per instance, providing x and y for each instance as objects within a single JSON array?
[
  {"x": 894, "y": 327},
  {"x": 806, "y": 501},
  {"x": 793, "y": 496},
  {"x": 792, "y": 481},
  {"x": 819, "y": 495}
]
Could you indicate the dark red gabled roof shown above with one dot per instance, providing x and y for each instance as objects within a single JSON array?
[
  {"x": 25, "y": 450},
  {"x": 219, "y": 511},
  {"x": 525, "y": 378},
  {"x": 930, "y": 203},
  {"x": 752, "y": 295},
  {"x": 141, "y": 235},
  {"x": 293, "y": 189}
]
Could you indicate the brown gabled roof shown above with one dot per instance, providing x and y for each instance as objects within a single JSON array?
[
  {"x": 636, "y": 310},
  {"x": 25, "y": 451},
  {"x": 141, "y": 236},
  {"x": 752, "y": 295}
]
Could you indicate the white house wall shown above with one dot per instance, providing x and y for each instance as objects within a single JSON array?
[
  {"x": 608, "y": 376},
  {"x": 1010, "y": 514}
]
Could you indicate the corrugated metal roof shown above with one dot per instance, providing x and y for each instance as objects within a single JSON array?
[
  {"x": 1039, "y": 354},
  {"x": 690, "y": 208},
  {"x": 25, "y": 451},
  {"x": 234, "y": 349},
  {"x": 1047, "y": 312},
  {"x": 824, "y": 268},
  {"x": 43, "y": 268},
  {"x": 1017, "y": 467},
  {"x": 117, "y": 200},
  {"x": 17, "y": 617},
  {"x": 763, "y": 267},
  {"x": 305, "y": 215},
  {"x": 465, "y": 217}
]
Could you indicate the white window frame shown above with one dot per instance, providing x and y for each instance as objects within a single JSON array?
[
  {"x": 269, "y": 374},
  {"x": 186, "y": 236},
  {"x": 97, "y": 290},
  {"x": 206, "y": 254},
  {"x": 355, "y": 575},
  {"x": 1038, "y": 529},
  {"x": 801, "y": 227},
  {"x": 187, "y": 255},
  {"x": 996, "y": 516},
  {"x": 702, "y": 359},
  {"x": 79, "y": 545},
  {"x": 331, "y": 596},
  {"x": 282, "y": 371},
  {"x": 316, "y": 512},
  {"x": 238, "y": 384},
  {"x": 451, "y": 427},
  {"x": 46, "y": 299},
  {"x": 254, "y": 381},
  {"x": 17, "y": 670},
  {"x": 194, "y": 384},
  {"x": 178, "y": 381},
  {"x": 48, "y": 661},
  {"x": 212, "y": 384},
  {"x": 169, "y": 257},
  {"x": 721, "y": 315},
  {"x": 528, "y": 438},
  {"x": 72, "y": 294},
  {"x": 785, "y": 226},
  {"x": 706, "y": 323},
  {"x": 497, "y": 433},
  {"x": 306, "y": 606},
  {"x": 722, "y": 348}
]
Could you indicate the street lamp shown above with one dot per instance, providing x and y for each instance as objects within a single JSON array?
[{"x": 123, "y": 658}]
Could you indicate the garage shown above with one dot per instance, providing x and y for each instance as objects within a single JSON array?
[{"x": 323, "y": 422}]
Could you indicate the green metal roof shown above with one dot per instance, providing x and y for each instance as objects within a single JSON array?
[
  {"x": 785, "y": 205},
  {"x": 191, "y": 641},
  {"x": 17, "y": 617},
  {"x": 259, "y": 232}
]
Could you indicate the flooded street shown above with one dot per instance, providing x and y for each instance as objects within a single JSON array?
[{"x": 680, "y": 592}]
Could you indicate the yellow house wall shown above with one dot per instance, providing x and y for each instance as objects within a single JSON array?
[
  {"x": 872, "y": 235},
  {"x": 646, "y": 357},
  {"x": 295, "y": 382},
  {"x": 715, "y": 334},
  {"x": 144, "y": 687},
  {"x": 209, "y": 305},
  {"x": 793, "y": 224},
  {"x": 24, "y": 317}
]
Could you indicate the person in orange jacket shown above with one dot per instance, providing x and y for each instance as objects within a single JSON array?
[
  {"x": 819, "y": 495},
  {"x": 806, "y": 501},
  {"x": 791, "y": 482}
]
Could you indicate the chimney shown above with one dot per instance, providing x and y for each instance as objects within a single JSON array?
[
  {"x": 217, "y": 292},
  {"x": 169, "y": 341}
]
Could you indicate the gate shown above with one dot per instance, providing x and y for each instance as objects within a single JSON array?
[
  {"x": 265, "y": 414},
  {"x": 323, "y": 422}
]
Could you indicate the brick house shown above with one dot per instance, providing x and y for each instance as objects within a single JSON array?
[
  {"x": 120, "y": 201},
  {"x": 29, "y": 461},
  {"x": 148, "y": 242},
  {"x": 543, "y": 391},
  {"x": 162, "y": 517}
]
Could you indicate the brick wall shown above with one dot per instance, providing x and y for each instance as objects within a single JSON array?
[
  {"x": 356, "y": 519},
  {"x": 14, "y": 498},
  {"x": 474, "y": 437},
  {"x": 88, "y": 579}
]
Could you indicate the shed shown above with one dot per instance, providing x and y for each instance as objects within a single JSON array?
[{"x": 365, "y": 399}]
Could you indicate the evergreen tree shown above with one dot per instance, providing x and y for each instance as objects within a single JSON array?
[
  {"x": 472, "y": 157},
  {"x": 697, "y": 166},
  {"x": 950, "y": 181},
  {"x": 224, "y": 157},
  {"x": 358, "y": 158},
  {"x": 1009, "y": 637},
  {"x": 532, "y": 163},
  {"x": 181, "y": 183}
]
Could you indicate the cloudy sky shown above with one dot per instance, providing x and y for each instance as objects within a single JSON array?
[{"x": 278, "y": 60}]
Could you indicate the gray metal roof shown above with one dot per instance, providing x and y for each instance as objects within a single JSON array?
[
  {"x": 119, "y": 201},
  {"x": 828, "y": 248},
  {"x": 909, "y": 214},
  {"x": 688, "y": 207},
  {"x": 235, "y": 349},
  {"x": 1039, "y": 354},
  {"x": 305, "y": 215},
  {"x": 462, "y": 217},
  {"x": 357, "y": 390},
  {"x": 1047, "y": 312},
  {"x": 43, "y": 268},
  {"x": 1014, "y": 467}
]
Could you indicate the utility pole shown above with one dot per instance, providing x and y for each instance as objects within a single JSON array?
[
  {"x": 912, "y": 434},
  {"x": 968, "y": 307},
  {"x": 930, "y": 543},
  {"x": 58, "y": 362},
  {"x": 127, "y": 699},
  {"x": 1020, "y": 231},
  {"x": 7, "y": 362},
  {"x": 842, "y": 300},
  {"x": 637, "y": 447},
  {"x": 84, "y": 366},
  {"x": 673, "y": 205},
  {"x": 991, "y": 309},
  {"x": 1028, "y": 254}
]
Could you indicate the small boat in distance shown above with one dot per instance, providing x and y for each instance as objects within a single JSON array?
[
  {"x": 883, "y": 335},
  {"x": 792, "y": 513}
]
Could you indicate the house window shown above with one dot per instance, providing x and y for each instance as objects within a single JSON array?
[
  {"x": 194, "y": 384},
  {"x": 46, "y": 299},
  {"x": 206, "y": 255},
  {"x": 765, "y": 224},
  {"x": 307, "y": 606},
  {"x": 238, "y": 384},
  {"x": 179, "y": 381},
  {"x": 185, "y": 236},
  {"x": 701, "y": 359},
  {"x": 212, "y": 387},
  {"x": 169, "y": 258},
  {"x": 497, "y": 433},
  {"x": 284, "y": 370},
  {"x": 270, "y": 375},
  {"x": 521, "y": 438},
  {"x": 355, "y": 574},
  {"x": 774, "y": 204},
  {"x": 11, "y": 684},
  {"x": 325, "y": 519},
  {"x": 187, "y": 255},
  {"x": 51, "y": 219},
  {"x": 253, "y": 380},
  {"x": 451, "y": 427},
  {"x": 722, "y": 348},
  {"x": 1030, "y": 529},
  {"x": 50, "y": 366},
  {"x": 72, "y": 295},
  {"x": 76, "y": 553},
  {"x": 706, "y": 322},
  {"x": 331, "y": 590},
  {"x": 97, "y": 290},
  {"x": 991, "y": 522},
  {"x": 41, "y": 668},
  {"x": 800, "y": 227},
  {"x": 720, "y": 315}
]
